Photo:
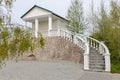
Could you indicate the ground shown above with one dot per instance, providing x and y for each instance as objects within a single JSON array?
[{"x": 51, "y": 70}]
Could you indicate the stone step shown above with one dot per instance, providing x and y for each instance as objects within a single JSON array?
[
  {"x": 97, "y": 64},
  {"x": 97, "y": 67},
  {"x": 97, "y": 70},
  {"x": 97, "y": 56},
  {"x": 92, "y": 51},
  {"x": 97, "y": 60}
]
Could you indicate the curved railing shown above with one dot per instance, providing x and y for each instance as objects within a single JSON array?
[
  {"x": 85, "y": 43},
  {"x": 79, "y": 41},
  {"x": 102, "y": 49}
]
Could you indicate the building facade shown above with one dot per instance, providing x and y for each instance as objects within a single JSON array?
[{"x": 44, "y": 21}]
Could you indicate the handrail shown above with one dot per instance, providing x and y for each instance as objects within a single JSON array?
[
  {"x": 102, "y": 44},
  {"x": 86, "y": 42},
  {"x": 79, "y": 41}
]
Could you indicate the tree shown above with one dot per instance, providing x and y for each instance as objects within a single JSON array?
[
  {"x": 108, "y": 25},
  {"x": 115, "y": 40},
  {"x": 76, "y": 21},
  {"x": 14, "y": 41},
  {"x": 103, "y": 22},
  {"x": 7, "y": 4}
]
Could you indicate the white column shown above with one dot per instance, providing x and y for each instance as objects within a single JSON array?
[
  {"x": 58, "y": 24},
  {"x": 36, "y": 27},
  {"x": 49, "y": 23}
]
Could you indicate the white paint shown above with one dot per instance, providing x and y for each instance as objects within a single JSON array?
[
  {"x": 107, "y": 62},
  {"x": 86, "y": 56},
  {"x": 49, "y": 24},
  {"x": 36, "y": 12},
  {"x": 36, "y": 27},
  {"x": 86, "y": 61}
]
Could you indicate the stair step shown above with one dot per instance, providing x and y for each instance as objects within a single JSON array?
[
  {"x": 97, "y": 64},
  {"x": 96, "y": 57},
  {"x": 97, "y": 61},
  {"x": 97, "y": 67},
  {"x": 92, "y": 51},
  {"x": 97, "y": 70},
  {"x": 96, "y": 54}
]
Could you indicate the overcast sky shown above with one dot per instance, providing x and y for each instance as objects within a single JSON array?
[{"x": 57, "y": 6}]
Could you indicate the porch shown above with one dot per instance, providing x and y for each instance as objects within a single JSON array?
[
  {"x": 44, "y": 21},
  {"x": 47, "y": 25}
]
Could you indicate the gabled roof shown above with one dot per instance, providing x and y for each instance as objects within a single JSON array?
[{"x": 43, "y": 9}]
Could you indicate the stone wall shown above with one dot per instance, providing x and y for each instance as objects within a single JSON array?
[{"x": 57, "y": 48}]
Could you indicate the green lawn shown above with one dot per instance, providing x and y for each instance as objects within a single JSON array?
[{"x": 115, "y": 68}]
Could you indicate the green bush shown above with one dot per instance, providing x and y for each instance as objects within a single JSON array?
[{"x": 14, "y": 41}]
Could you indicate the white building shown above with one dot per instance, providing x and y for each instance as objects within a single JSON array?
[{"x": 44, "y": 21}]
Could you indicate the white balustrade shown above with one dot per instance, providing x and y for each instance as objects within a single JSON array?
[
  {"x": 86, "y": 42},
  {"x": 79, "y": 41}
]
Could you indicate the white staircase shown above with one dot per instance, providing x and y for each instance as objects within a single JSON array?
[{"x": 96, "y": 54}]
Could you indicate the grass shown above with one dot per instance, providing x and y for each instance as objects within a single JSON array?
[{"x": 115, "y": 68}]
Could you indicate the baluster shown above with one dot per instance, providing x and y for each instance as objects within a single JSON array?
[
  {"x": 65, "y": 35},
  {"x": 78, "y": 42},
  {"x": 71, "y": 37},
  {"x": 88, "y": 41},
  {"x": 97, "y": 46},
  {"x": 94, "y": 44},
  {"x": 74, "y": 39},
  {"x": 91, "y": 43},
  {"x": 100, "y": 48}
]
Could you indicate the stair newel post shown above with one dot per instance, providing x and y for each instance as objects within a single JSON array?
[
  {"x": 86, "y": 56},
  {"x": 107, "y": 62},
  {"x": 107, "y": 58}
]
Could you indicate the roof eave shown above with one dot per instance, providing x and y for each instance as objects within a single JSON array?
[{"x": 45, "y": 10}]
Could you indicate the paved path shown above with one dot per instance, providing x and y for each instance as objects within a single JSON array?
[{"x": 44, "y": 70}]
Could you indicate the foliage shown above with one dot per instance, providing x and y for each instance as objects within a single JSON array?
[
  {"x": 7, "y": 2},
  {"x": 115, "y": 68},
  {"x": 14, "y": 41},
  {"x": 108, "y": 25},
  {"x": 75, "y": 17}
]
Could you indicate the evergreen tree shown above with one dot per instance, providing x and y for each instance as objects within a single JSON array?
[{"x": 75, "y": 17}]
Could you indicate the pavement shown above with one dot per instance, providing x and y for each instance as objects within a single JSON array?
[{"x": 50, "y": 70}]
